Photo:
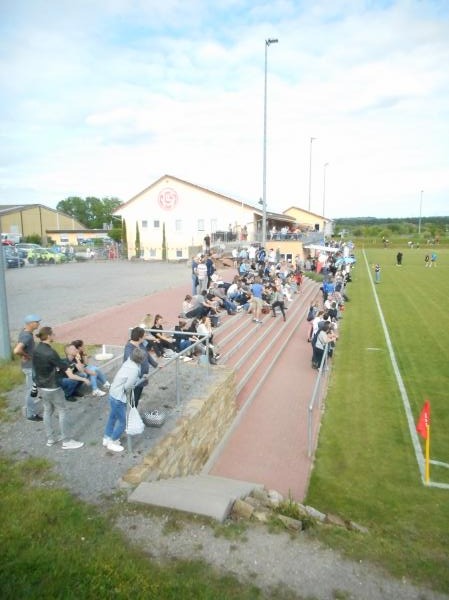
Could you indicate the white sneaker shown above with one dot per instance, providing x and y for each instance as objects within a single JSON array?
[
  {"x": 187, "y": 359},
  {"x": 106, "y": 385},
  {"x": 114, "y": 446},
  {"x": 106, "y": 440},
  {"x": 98, "y": 393},
  {"x": 72, "y": 445},
  {"x": 53, "y": 441}
]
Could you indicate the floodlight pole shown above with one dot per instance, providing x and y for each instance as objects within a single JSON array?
[
  {"x": 310, "y": 172},
  {"x": 264, "y": 186}
]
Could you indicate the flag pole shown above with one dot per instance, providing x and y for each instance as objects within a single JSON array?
[{"x": 428, "y": 454}]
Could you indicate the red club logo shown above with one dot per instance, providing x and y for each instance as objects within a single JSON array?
[{"x": 167, "y": 199}]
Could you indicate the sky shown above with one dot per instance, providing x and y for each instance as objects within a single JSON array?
[{"x": 101, "y": 98}]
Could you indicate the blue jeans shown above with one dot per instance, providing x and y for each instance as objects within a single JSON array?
[
  {"x": 30, "y": 409},
  {"x": 70, "y": 386},
  {"x": 117, "y": 419},
  {"x": 98, "y": 378}
]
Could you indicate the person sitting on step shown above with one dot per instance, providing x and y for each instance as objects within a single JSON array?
[{"x": 94, "y": 373}]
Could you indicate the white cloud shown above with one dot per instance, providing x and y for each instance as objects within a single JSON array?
[{"x": 101, "y": 100}]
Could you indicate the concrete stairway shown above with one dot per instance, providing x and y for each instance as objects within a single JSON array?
[
  {"x": 201, "y": 494},
  {"x": 257, "y": 353}
]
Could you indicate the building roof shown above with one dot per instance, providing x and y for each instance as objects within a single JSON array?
[
  {"x": 303, "y": 210},
  {"x": 193, "y": 185}
]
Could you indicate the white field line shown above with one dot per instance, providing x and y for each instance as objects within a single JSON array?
[{"x": 405, "y": 401}]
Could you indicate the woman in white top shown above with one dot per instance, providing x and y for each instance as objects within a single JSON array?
[{"x": 205, "y": 328}]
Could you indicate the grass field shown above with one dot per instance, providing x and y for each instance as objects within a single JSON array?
[{"x": 366, "y": 468}]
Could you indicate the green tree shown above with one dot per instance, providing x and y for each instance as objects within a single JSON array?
[
  {"x": 94, "y": 213},
  {"x": 164, "y": 243},
  {"x": 124, "y": 240},
  {"x": 137, "y": 242},
  {"x": 116, "y": 234}
]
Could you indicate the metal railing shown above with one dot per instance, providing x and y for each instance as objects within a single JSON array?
[{"x": 316, "y": 401}]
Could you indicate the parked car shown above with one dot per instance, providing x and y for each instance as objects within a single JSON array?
[
  {"x": 40, "y": 256},
  {"x": 60, "y": 257},
  {"x": 24, "y": 247},
  {"x": 12, "y": 259}
]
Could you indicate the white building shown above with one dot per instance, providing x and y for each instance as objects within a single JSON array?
[{"x": 173, "y": 217}]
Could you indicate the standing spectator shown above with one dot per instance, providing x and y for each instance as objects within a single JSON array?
[
  {"x": 256, "y": 300},
  {"x": 201, "y": 271},
  {"x": 377, "y": 273},
  {"x": 126, "y": 379},
  {"x": 137, "y": 340},
  {"x": 46, "y": 363},
  {"x": 207, "y": 244},
  {"x": 433, "y": 259},
  {"x": 194, "y": 276},
  {"x": 25, "y": 348},
  {"x": 277, "y": 299},
  {"x": 399, "y": 259}
]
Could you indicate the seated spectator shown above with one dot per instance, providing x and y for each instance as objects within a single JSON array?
[
  {"x": 94, "y": 373},
  {"x": 165, "y": 341},
  {"x": 228, "y": 305},
  {"x": 201, "y": 306},
  {"x": 186, "y": 305},
  {"x": 182, "y": 341},
  {"x": 71, "y": 375},
  {"x": 205, "y": 328}
]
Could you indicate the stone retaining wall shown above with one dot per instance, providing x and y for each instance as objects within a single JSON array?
[{"x": 185, "y": 449}]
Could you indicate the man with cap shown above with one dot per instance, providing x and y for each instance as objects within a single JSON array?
[{"x": 25, "y": 348}]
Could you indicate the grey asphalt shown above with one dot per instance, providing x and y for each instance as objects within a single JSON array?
[{"x": 60, "y": 293}]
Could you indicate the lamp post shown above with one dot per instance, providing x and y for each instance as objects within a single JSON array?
[
  {"x": 264, "y": 187},
  {"x": 420, "y": 213},
  {"x": 310, "y": 171},
  {"x": 324, "y": 199}
]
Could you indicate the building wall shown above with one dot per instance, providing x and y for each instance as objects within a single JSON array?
[
  {"x": 189, "y": 214},
  {"x": 36, "y": 220},
  {"x": 306, "y": 218}
]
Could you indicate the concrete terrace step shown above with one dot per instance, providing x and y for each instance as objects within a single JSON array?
[{"x": 199, "y": 494}]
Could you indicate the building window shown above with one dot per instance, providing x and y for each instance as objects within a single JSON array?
[
  {"x": 156, "y": 224},
  {"x": 178, "y": 225},
  {"x": 213, "y": 225},
  {"x": 152, "y": 252},
  {"x": 200, "y": 224},
  {"x": 178, "y": 252},
  {"x": 144, "y": 224}
]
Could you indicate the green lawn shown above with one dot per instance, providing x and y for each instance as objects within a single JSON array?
[{"x": 366, "y": 468}]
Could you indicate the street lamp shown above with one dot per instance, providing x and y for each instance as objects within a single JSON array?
[
  {"x": 264, "y": 187},
  {"x": 310, "y": 170},
  {"x": 324, "y": 199},
  {"x": 420, "y": 213}
]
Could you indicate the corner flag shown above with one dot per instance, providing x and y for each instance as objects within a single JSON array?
[
  {"x": 423, "y": 428},
  {"x": 424, "y": 421}
]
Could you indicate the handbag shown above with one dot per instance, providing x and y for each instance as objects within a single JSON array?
[
  {"x": 134, "y": 423},
  {"x": 155, "y": 418}
]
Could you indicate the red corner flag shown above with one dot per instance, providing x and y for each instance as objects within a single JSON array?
[{"x": 424, "y": 420}]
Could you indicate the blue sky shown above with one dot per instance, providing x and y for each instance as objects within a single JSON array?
[{"x": 102, "y": 98}]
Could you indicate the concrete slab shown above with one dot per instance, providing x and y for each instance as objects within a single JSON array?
[{"x": 203, "y": 495}]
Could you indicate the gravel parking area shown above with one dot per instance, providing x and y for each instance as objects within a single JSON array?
[{"x": 60, "y": 293}]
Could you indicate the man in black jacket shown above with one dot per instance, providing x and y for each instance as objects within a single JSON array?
[{"x": 46, "y": 363}]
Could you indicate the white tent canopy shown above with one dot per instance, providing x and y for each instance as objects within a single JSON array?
[{"x": 322, "y": 248}]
